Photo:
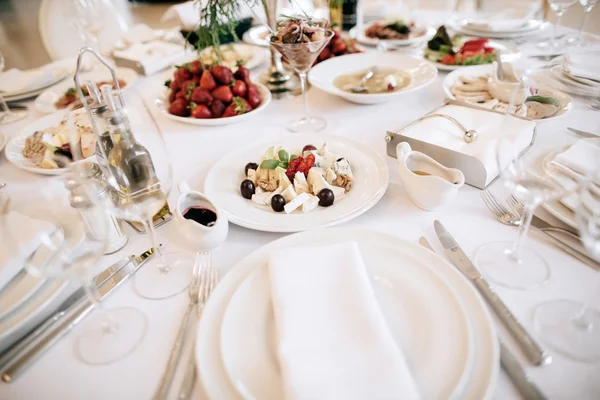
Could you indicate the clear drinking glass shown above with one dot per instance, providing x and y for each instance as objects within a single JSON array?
[
  {"x": 559, "y": 7},
  {"x": 570, "y": 327},
  {"x": 587, "y": 5},
  {"x": 8, "y": 116},
  {"x": 140, "y": 175},
  {"x": 87, "y": 16},
  {"x": 301, "y": 57},
  {"x": 513, "y": 264}
]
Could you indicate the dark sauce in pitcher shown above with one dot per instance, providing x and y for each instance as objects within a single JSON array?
[{"x": 201, "y": 215}]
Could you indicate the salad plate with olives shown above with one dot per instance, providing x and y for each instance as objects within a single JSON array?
[{"x": 301, "y": 183}]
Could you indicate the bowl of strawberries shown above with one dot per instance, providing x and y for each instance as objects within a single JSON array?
[{"x": 211, "y": 95}]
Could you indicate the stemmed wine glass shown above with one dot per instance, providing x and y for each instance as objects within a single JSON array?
[
  {"x": 300, "y": 40},
  {"x": 8, "y": 116},
  {"x": 138, "y": 170},
  {"x": 559, "y": 7},
  {"x": 87, "y": 16},
  {"x": 513, "y": 264},
  {"x": 587, "y": 5},
  {"x": 572, "y": 328}
]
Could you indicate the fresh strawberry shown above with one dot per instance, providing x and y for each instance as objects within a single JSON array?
[
  {"x": 239, "y": 88},
  {"x": 195, "y": 67},
  {"x": 237, "y": 107},
  {"x": 217, "y": 108},
  {"x": 174, "y": 85},
  {"x": 179, "y": 107},
  {"x": 182, "y": 94},
  {"x": 182, "y": 74},
  {"x": 201, "y": 96},
  {"x": 173, "y": 96},
  {"x": 207, "y": 81},
  {"x": 336, "y": 35},
  {"x": 222, "y": 93},
  {"x": 200, "y": 110},
  {"x": 253, "y": 96},
  {"x": 325, "y": 53},
  {"x": 222, "y": 74},
  {"x": 244, "y": 103},
  {"x": 243, "y": 74},
  {"x": 339, "y": 47}
]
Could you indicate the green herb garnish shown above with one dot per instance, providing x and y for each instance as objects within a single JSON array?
[
  {"x": 71, "y": 92},
  {"x": 543, "y": 100},
  {"x": 168, "y": 83},
  {"x": 269, "y": 164}
]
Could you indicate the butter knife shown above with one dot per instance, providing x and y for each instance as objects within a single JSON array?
[
  {"x": 73, "y": 315},
  {"x": 76, "y": 296},
  {"x": 509, "y": 363},
  {"x": 584, "y": 133},
  {"x": 530, "y": 347}
]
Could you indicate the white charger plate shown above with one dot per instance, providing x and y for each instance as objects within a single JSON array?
[
  {"x": 481, "y": 383},
  {"x": 566, "y": 102},
  {"x": 45, "y": 101},
  {"x": 162, "y": 104},
  {"x": 14, "y": 147},
  {"x": 60, "y": 74},
  {"x": 370, "y": 172},
  {"x": 257, "y": 36},
  {"x": 358, "y": 33},
  {"x": 510, "y": 53},
  {"x": 322, "y": 75},
  {"x": 415, "y": 301},
  {"x": 17, "y": 292}
]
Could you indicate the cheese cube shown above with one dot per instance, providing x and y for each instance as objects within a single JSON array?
[
  {"x": 338, "y": 192},
  {"x": 297, "y": 202},
  {"x": 273, "y": 193},
  {"x": 343, "y": 167},
  {"x": 259, "y": 198},
  {"x": 330, "y": 176},
  {"x": 252, "y": 175},
  {"x": 284, "y": 181},
  {"x": 319, "y": 184},
  {"x": 300, "y": 184},
  {"x": 310, "y": 204},
  {"x": 289, "y": 194}
]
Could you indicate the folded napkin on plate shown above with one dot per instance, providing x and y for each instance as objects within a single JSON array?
[
  {"x": 26, "y": 236},
  {"x": 333, "y": 341},
  {"x": 583, "y": 66},
  {"x": 139, "y": 33},
  {"x": 149, "y": 58},
  {"x": 17, "y": 81},
  {"x": 579, "y": 160}
]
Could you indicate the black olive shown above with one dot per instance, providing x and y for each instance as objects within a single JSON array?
[
  {"x": 277, "y": 203},
  {"x": 339, "y": 159},
  {"x": 248, "y": 166},
  {"x": 326, "y": 197},
  {"x": 247, "y": 188}
]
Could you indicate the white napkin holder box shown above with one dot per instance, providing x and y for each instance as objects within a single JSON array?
[{"x": 475, "y": 171}]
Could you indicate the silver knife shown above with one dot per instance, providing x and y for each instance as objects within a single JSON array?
[
  {"x": 509, "y": 363},
  {"x": 73, "y": 315},
  {"x": 76, "y": 296},
  {"x": 530, "y": 347},
  {"x": 584, "y": 133}
]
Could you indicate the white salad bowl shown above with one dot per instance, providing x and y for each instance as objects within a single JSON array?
[{"x": 421, "y": 73}]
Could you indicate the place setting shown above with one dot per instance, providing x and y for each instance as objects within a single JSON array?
[{"x": 448, "y": 255}]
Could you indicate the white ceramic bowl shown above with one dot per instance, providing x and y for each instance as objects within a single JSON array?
[
  {"x": 162, "y": 104},
  {"x": 421, "y": 72}
]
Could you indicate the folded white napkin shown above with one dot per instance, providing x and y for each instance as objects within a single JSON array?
[
  {"x": 490, "y": 126},
  {"x": 583, "y": 66},
  {"x": 333, "y": 341},
  {"x": 153, "y": 56},
  {"x": 140, "y": 33},
  {"x": 17, "y": 81},
  {"x": 26, "y": 236},
  {"x": 579, "y": 160}
]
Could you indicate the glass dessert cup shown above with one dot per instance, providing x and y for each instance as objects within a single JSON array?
[{"x": 301, "y": 57}]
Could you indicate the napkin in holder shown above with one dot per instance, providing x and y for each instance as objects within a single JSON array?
[
  {"x": 150, "y": 57},
  {"x": 443, "y": 140}
]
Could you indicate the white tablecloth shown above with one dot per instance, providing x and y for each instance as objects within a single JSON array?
[{"x": 58, "y": 375}]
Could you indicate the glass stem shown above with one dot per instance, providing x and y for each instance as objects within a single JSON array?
[
  {"x": 559, "y": 15},
  {"x": 523, "y": 229},
  {"x": 109, "y": 325},
  {"x": 586, "y": 12},
  {"x": 162, "y": 266},
  {"x": 302, "y": 76},
  {"x": 4, "y": 106},
  {"x": 582, "y": 320}
]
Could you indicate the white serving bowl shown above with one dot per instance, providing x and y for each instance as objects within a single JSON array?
[{"x": 421, "y": 72}]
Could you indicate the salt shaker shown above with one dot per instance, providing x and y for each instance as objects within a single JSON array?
[{"x": 89, "y": 212}]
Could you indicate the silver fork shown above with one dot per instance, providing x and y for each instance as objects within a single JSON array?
[
  {"x": 507, "y": 217},
  {"x": 198, "y": 281},
  {"x": 189, "y": 377}
]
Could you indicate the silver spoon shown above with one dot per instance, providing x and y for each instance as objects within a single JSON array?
[{"x": 363, "y": 81}]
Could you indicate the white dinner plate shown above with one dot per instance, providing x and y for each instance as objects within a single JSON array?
[
  {"x": 45, "y": 101},
  {"x": 162, "y": 103},
  {"x": 532, "y": 28},
  {"x": 374, "y": 246},
  {"x": 257, "y": 36},
  {"x": 17, "y": 292},
  {"x": 510, "y": 53},
  {"x": 415, "y": 301},
  {"x": 571, "y": 85},
  {"x": 358, "y": 33},
  {"x": 566, "y": 102},
  {"x": 60, "y": 74},
  {"x": 14, "y": 147},
  {"x": 421, "y": 72},
  {"x": 370, "y": 172}
]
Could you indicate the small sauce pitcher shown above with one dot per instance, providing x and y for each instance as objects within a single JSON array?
[
  {"x": 510, "y": 86},
  {"x": 209, "y": 228},
  {"x": 427, "y": 182}
]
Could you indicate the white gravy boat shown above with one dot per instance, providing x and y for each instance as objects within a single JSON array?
[
  {"x": 427, "y": 182},
  {"x": 503, "y": 89},
  {"x": 203, "y": 238}
]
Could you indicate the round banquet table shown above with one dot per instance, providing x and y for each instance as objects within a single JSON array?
[{"x": 58, "y": 375}]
